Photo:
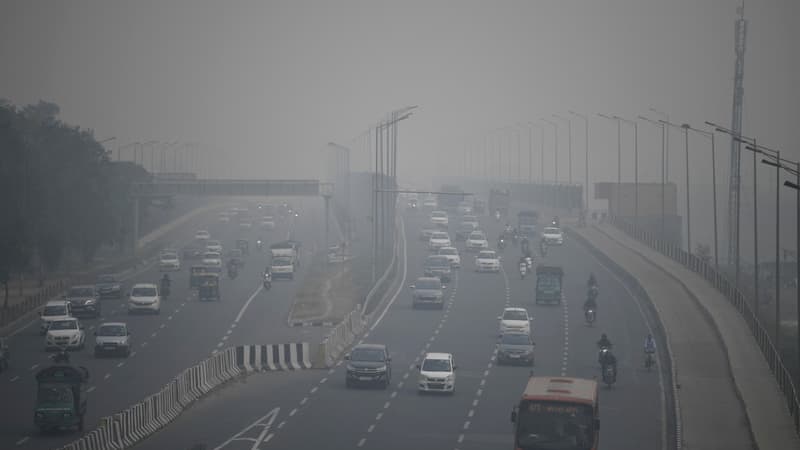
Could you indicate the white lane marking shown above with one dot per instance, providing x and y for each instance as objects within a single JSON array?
[
  {"x": 475, "y": 402},
  {"x": 33, "y": 367},
  {"x": 91, "y": 388},
  {"x": 292, "y": 412},
  {"x": 460, "y": 438},
  {"x": 361, "y": 442},
  {"x": 155, "y": 333},
  {"x": 264, "y": 422},
  {"x": 378, "y": 417},
  {"x": 280, "y": 425},
  {"x": 169, "y": 318},
  {"x": 387, "y": 405},
  {"x": 107, "y": 376},
  {"x": 162, "y": 326},
  {"x": 133, "y": 353},
  {"x": 466, "y": 425},
  {"x": 394, "y": 394},
  {"x": 121, "y": 364},
  {"x": 220, "y": 344},
  {"x": 303, "y": 401},
  {"x": 23, "y": 440},
  {"x": 322, "y": 381},
  {"x": 247, "y": 303},
  {"x": 314, "y": 389},
  {"x": 371, "y": 427},
  {"x": 14, "y": 379}
]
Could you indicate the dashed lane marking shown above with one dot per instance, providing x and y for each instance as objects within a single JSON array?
[
  {"x": 23, "y": 440},
  {"x": 91, "y": 388}
]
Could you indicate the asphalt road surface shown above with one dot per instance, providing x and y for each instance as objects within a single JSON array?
[
  {"x": 185, "y": 332},
  {"x": 314, "y": 409}
]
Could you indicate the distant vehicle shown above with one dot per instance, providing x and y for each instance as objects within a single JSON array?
[
  {"x": 451, "y": 253},
  {"x": 487, "y": 261},
  {"x": 202, "y": 235},
  {"x": 427, "y": 291},
  {"x": 438, "y": 240},
  {"x": 236, "y": 257},
  {"x": 108, "y": 286},
  {"x": 515, "y": 348},
  {"x": 224, "y": 217},
  {"x": 439, "y": 219},
  {"x": 144, "y": 297},
  {"x": 52, "y": 311},
  {"x": 369, "y": 364},
  {"x": 515, "y": 320},
  {"x": 527, "y": 221},
  {"x": 60, "y": 398},
  {"x": 429, "y": 204},
  {"x": 112, "y": 338},
  {"x": 425, "y": 234},
  {"x": 193, "y": 252},
  {"x": 438, "y": 266},
  {"x": 472, "y": 220},
  {"x": 268, "y": 223},
  {"x": 83, "y": 300},
  {"x": 557, "y": 412},
  {"x": 553, "y": 236},
  {"x": 169, "y": 261},
  {"x": 67, "y": 333},
  {"x": 214, "y": 246},
  {"x": 437, "y": 373},
  {"x": 213, "y": 261},
  {"x": 477, "y": 241},
  {"x": 548, "y": 284},
  {"x": 464, "y": 208},
  {"x": 464, "y": 230}
]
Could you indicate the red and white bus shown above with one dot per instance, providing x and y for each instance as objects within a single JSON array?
[{"x": 557, "y": 413}]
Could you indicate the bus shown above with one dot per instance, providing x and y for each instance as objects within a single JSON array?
[{"x": 557, "y": 413}]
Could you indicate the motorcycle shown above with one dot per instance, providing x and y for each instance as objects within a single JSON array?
[
  {"x": 497, "y": 216},
  {"x": 609, "y": 374},
  {"x": 523, "y": 270},
  {"x": 601, "y": 356},
  {"x": 529, "y": 264},
  {"x": 232, "y": 272},
  {"x": 259, "y": 245},
  {"x": 62, "y": 357},
  {"x": 501, "y": 244},
  {"x": 590, "y": 316},
  {"x": 165, "y": 290},
  {"x": 649, "y": 361},
  {"x": 267, "y": 281}
]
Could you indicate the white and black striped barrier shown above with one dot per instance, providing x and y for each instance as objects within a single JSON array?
[{"x": 126, "y": 428}]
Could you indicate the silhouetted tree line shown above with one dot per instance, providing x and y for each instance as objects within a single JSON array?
[{"x": 60, "y": 192}]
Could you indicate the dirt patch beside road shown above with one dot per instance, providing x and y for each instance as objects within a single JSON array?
[{"x": 328, "y": 293}]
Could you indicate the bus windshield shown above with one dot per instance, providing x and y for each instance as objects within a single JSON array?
[{"x": 543, "y": 425}]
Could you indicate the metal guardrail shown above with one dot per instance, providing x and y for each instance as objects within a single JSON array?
[
  {"x": 736, "y": 298},
  {"x": 231, "y": 187}
]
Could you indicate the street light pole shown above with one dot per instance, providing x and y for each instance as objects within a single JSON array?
[
  {"x": 586, "y": 164},
  {"x": 619, "y": 161},
  {"x": 713, "y": 189},
  {"x": 685, "y": 128},
  {"x": 663, "y": 176},
  {"x": 635, "y": 168},
  {"x": 569, "y": 146},
  {"x": 555, "y": 148}
]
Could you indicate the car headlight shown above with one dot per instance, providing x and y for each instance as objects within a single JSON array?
[
  {"x": 350, "y": 368},
  {"x": 91, "y": 301}
]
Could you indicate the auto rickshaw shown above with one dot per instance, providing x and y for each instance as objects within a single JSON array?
[
  {"x": 208, "y": 287},
  {"x": 195, "y": 274},
  {"x": 244, "y": 246}
]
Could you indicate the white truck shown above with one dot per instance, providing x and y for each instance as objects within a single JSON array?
[{"x": 285, "y": 260}]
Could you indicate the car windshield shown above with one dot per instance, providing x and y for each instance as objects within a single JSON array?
[
  {"x": 438, "y": 214},
  {"x": 367, "y": 354},
  {"x": 515, "y": 315},
  {"x": 428, "y": 284},
  {"x": 476, "y": 237},
  {"x": 487, "y": 255},
  {"x": 143, "y": 292},
  {"x": 281, "y": 262},
  {"x": 56, "y": 310},
  {"x": 105, "y": 279},
  {"x": 436, "y": 365},
  {"x": 112, "y": 330},
  {"x": 81, "y": 292},
  {"x": 211, "y": 255},
  {"x": 169, "y": 256},
  {"x": 64, "y": 325},
  {"x": 448, "y": 251},
  {"x": 551, "y": 230},
  {"x": 437, "y": 261},
  {"x": 54, "y": 394},
  {"x": 439, "y": 235},
  {"x": 516, "y": 339}
]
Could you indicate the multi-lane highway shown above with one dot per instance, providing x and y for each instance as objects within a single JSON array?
[
  {"x": 185, "y": 332},
  {"x": 314, "y": 409}
]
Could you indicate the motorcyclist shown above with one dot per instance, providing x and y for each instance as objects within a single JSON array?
[
  {"x": 590, "y": 303},
  {"x": 604, "y": 342},
  {"x": 649, "y": 344},
  {"x": 232, "y": 270},
  {"x": 525, "y": 244},
  {"x": 62, "y": 357},
  {"x": 259, "y": 243},
  {"x": 267, "y": 278},
  {"x": 543, "y": 246},
  {"x": 165, "y": 285},
  {"x": 592, "y": 281}
]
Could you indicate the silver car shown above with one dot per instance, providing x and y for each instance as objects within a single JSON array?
[{"x": 112, "y": 338}]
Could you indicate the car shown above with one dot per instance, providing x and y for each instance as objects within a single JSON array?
[
  {"x": 437, "y": 373},
  {"x": 112, "y": 338},
  {"x": 477, "y": 241},
  {"x": 369, "y": 364},
  {"x": 464, "y": 208},
  {"x": 65, "y": 333},
  {"x": 464, "y": 230},
  {"x": 425, "y": 234},
  {"x": 515, "y": 320},
  {"x": 438, "y": 240},
  {"x": 429, "y": 203},
  {"x": 246, "y": 224},
  {"x": 412, "y": 204},
  {"x": 236, "y": 257},
  {"x": 268, "y": 223},
  {"x": 5, "y": 354},
  {"x": 212, "y": 259},
  {"x": 224, "y": 217},
  {"x": 52, "y": 311},
  {"x": 427, "y": 291},
  {"x": 193, "y": 252},
  {"x": 515, "y": 348},
  {"x": 107, "y": 286},
  {"x": 214, "y": 246},
  {"x": 553, "y": 236},
  {"x": 83, "y": 300},
  {"x": 452, "y": 255},
  {"x": 169, "y": 261},
  {"x": 487, "y": 261},
  {"x": 438, "y": 266},
  {"x": 144, "y": 297},
  {"x": 471, "y": 219},
  {"x": 202, "y": 235},
  {"x": 439, "y": 219}
]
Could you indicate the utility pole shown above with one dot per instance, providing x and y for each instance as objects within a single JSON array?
[{"x": 736, "y": 128}]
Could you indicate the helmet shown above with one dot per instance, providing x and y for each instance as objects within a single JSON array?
[{"x": 604, "y": 336}]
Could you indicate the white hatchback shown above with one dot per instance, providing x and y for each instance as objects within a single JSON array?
[
  {"x": 515, "y": 320},
  {"x": 144, "y": 297},
  {"x": 477, "y": 241},
  {"x": 487, "y": 261},
  {"x": 437, "y": 373},
  {"x": 65, "y": 333},
  {"x": 169, "y": 261},
  {"x": 214, "y": 246}
]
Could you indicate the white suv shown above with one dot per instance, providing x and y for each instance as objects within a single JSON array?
[
  {"x": 437, "y": 373},
  {"x": 553, "y": 236},
  {"x": 54, "y": 310},
  {"x": 515, "y": 320},
  {"x": 144, "y": 297},
  {"x": 65, "y": 333}
]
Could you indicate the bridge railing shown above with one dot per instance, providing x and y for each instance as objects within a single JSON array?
[{"x": 735, "y": 297}]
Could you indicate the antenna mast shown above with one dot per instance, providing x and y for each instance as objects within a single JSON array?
[{"x": 736, "y": 126}]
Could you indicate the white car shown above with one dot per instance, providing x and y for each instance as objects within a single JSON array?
[
  {"x": 65, "y": 333},
  {"x": 429, "y": 203},
  {"x": 202, "y": 235},
  {"x": 487, "y": 261},
  {"x": 212, "y": 259},
  {"x": 224, "y": 217},
  {"x": 246, "y": 224},
  {"x": 464, "y": 208},
  {"x": 553, "y": 236},
  {"x": 477, "y": 241},
  {"x": 53, "y": 311},
  {"x": 112, "y": 338},
  {"x": 214, "y": 246},
  {"x": 452, "y": 255},
  {"x": 515, "y": 320},
  {"x": 438, "y": 240},
  {"x": 440, "y": 219},
  {"x": 437, "y": 373},
  {"x": 144, "y": 297},
  {"x": 425, "y": 234},
  {"x": 169, "y": 261},
  {"x": 471, "y": 219},
  {"x": 268, "y": 223}
]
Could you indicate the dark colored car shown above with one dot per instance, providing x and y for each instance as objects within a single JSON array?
[
  {"x": 108, "y": 287},
  {"x": 83, "y": 300},
  {"x": 427, "y": 291},
  {"x": 369, "y": 364},
  {"x": 515, "y": 348},
  {"x": 438, "y": 266}
]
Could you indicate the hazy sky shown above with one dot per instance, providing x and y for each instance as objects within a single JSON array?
[{"x": 270, "y": 83}]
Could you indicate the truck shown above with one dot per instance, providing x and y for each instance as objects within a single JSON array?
[
  {"x": 548, "y": 284},
  {"x": 527, "y": 222},
  {"x": 499, "y": 200},
  {"x": 284, "y": 261},
  {"x": 60, "y": 398},
  {"x": 449, "y": 202}
]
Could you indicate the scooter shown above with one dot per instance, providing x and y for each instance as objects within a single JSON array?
[
  {"x": 267, "y": 281},
  {"x": 259, "y": 245},
  {"x": 590, "y": 316},
  {"x": 523, "y": 270},
  {"x": 501, "y": 244},
  {"x": 62, "y": 357}
]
